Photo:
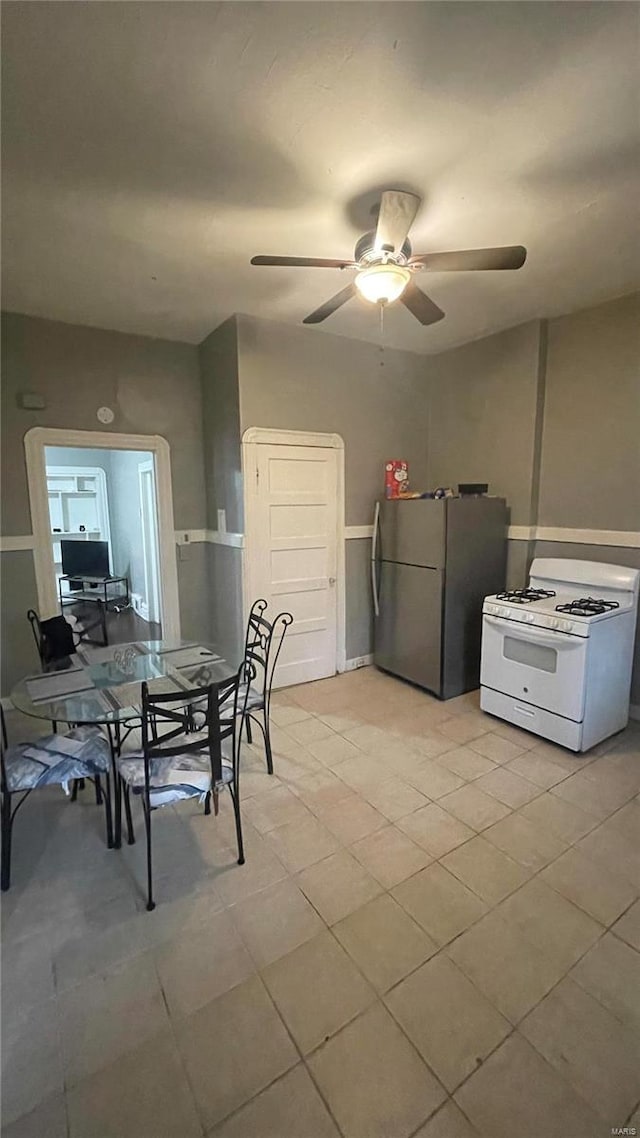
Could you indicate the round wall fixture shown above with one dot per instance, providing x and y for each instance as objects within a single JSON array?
[{"x": 105, "y": 415}]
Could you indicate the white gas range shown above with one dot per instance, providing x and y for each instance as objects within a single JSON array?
[{"x": 557, "y": 656}]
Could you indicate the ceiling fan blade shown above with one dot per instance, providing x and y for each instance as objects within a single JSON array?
[
  {"x": 397, "y": 213},
  {"x": 309, "y": 262},
  {"x": 464, "y": 260},
  {"x": 420, "y": 305},
  {"x": 330, "y": 306}
]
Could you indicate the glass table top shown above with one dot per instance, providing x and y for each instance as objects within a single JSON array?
[{"x": 102, "y": 685}]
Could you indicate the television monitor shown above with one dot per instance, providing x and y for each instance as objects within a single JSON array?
[{"x": 85, "y": 558}]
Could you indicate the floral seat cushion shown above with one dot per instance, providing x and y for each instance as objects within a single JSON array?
[
  {"x": 173, "y": 777},
  {"x": 56, "y": 760}
]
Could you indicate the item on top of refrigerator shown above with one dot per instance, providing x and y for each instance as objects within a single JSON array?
[
  {"x": 396, "y": 477},
  {"x": 472, "y": 489},
  {"x": 444, "y": 492}
]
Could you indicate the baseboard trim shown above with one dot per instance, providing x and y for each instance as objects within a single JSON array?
[{"x": 357, "y": 662}]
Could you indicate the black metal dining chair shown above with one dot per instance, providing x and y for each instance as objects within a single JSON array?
[
  {"x": 175, "y": 764},
  {"x": 56, "y": 639},
  {"x": 52, "y": 760},
  {"x": 263, "y": 644},
  {"x": 56, "y": 642}
]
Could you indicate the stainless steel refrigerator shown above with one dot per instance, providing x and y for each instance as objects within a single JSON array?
[{"x": 433, "y": 563}]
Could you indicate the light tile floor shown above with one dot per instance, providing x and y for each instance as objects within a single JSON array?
[{"x": 435, "y": 934}]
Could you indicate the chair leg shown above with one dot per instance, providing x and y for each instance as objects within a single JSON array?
[
  {"x": 147, "y": 823},
  {"x": 248, "y": 727},
  {"x": 74, "y": 790},
  {"x": 131, "y": 837},
  {"x": 207, "y": 803},
  {"x": 235, "y": 798},
  {"x": 98, "y": 787},
  {"x": 7, "y": 826},
  {"x": 267, "y": 742},
  {"x": 118, "y": 791},
  {"x": 106, "y": 798},
  {"x": 113, "y": 731}
]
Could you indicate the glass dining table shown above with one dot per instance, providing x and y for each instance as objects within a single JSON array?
[{"x": 102, "y": 685}]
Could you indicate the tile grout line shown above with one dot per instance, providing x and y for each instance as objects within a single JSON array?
[{"x": 443, "y": 949}]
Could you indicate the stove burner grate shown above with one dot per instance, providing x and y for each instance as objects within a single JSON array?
[
  {"x": 525, "y": 596},
  {"x": 587, "y": 606}
]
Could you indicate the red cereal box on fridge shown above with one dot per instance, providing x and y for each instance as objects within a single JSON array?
[{"x": 396, "y": 477}]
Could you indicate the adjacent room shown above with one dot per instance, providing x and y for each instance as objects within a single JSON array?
[
  {"x": 319, "y": 569},
  {"x": 102, "y": 508}
]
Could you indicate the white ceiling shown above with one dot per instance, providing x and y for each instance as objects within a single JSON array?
[{"x": 151, "y": 148}]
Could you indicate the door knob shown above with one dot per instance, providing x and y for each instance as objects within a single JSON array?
[{"x": 332, "y": 580}]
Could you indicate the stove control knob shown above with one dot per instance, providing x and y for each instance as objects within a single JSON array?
[
  {"x": 529, "y": 617},
  {"x": 557, "y": 623},
  {"x": 566, "y": 626}
]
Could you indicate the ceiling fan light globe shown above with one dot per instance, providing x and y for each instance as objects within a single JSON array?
[{"x": 382, "y": 283}]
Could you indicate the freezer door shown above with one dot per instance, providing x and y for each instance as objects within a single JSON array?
[
  {"x": 413, "y": 532},
  {"x": 408, "y": 629}
]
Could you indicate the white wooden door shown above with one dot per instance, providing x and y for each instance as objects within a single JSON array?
[{"x": 292, "y": 552}]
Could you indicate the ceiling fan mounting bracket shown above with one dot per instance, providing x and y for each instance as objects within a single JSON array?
[{"x": 365, "y": 252}]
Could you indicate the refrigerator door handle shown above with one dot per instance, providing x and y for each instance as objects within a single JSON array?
[{"x": 374, "y": 547}]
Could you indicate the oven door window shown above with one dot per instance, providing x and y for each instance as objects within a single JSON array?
[{"x": 537, "y": 656}]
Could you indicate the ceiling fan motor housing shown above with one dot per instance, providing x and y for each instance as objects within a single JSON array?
[{"x": 366, "y": 253}]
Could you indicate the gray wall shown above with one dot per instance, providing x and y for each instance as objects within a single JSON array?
[
  {"x": 549, "y": 415},
  {"x": 590, "y": 474},
  {"x": 301, "y": 379},
  {"x": 483, "y": 416},
  {"x": 221, "y": 426},
  {"x": 376, "y": 399},
  {"x": 359, "y": 630},
  {"x": 154, "y": 388},
  {"x": 223, "y": 476}
]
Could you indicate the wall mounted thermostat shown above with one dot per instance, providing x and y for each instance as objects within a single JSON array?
[{"x": 105, "y": 415}]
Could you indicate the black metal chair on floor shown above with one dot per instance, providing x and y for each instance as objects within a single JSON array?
[
  {"x": 262, "y": 647},
  {"x": 56, "y": 641},
  {"x": 56, "y": 760},
  {"x": 174, "y": 764}
]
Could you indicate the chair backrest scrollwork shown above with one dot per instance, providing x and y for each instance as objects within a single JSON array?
[{"x": 263, "y": 644}]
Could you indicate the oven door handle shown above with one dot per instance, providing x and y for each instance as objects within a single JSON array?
[{"x": 558, "y": 640}]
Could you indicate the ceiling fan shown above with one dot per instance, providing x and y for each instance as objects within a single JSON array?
[{"x": 385, "y": 264}]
